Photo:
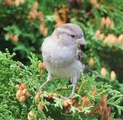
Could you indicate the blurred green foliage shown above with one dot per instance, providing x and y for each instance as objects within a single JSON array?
[{"x": 23, "y": 26}]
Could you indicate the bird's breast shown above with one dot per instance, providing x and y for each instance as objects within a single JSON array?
[{"x": 59, "y": 56}]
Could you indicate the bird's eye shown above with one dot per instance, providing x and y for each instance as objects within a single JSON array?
[{"x": 72, "y": 36}]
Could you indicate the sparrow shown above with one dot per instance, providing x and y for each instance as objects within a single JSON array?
[{"x": 62, "y": 54}]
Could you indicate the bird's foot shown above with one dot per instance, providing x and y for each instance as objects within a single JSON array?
[
  {"x": 41, "y": 88},
  {"x": 69, "y": 97}
]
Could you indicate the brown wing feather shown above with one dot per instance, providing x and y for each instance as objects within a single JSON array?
[{"x": 80, "y": 57}]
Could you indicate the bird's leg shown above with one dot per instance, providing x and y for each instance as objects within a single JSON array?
[
  {"x": 73, "y": 91},
  {"x": 74, "y": 83},
  {"x": 49, "y": 78}
]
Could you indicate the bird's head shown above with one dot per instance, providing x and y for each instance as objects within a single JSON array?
[{"x": 69, "y": 34}]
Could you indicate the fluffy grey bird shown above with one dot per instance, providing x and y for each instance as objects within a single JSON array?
[{"x": 62, "y": 55}]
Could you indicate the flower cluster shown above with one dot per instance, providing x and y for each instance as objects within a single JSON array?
[
  {"x": 91, "y": 62},
  {"x": 34, "y": 14},
  {"x": 110, "y": 39},
  {"x": 41, "y": 65},
  {"x": 61, "y": 16},
  {"x": 22, "y": 92},
  {"x": 30, "y": 115},
  {"x": 106, "y": 21},
  {"x": 13, "y": 3},
  {"x": 104, "y": 73},
  {"x": 13, "y": 38},
  {"x": 95, "y": 4}
]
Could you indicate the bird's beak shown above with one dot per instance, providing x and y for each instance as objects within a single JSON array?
[{"x": 81, "y": 41}]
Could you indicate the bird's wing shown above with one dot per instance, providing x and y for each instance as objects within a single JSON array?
[{"x": 79, "y": 55}]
